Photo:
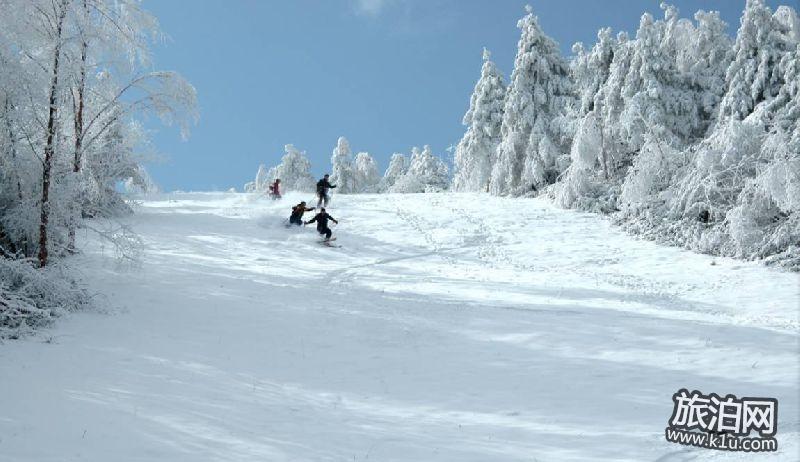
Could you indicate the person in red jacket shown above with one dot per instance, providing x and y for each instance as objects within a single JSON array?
[{"x": 275, "y": 189}]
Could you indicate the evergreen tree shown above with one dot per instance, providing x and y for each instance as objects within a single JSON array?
[
  {"x": 591, "y": 70},
  {"x": 294, "y": 171},
  {"x": 398, "y": 166},
  {"x": 475, "y": 152},
  {"x": 754, "y": 75},
  {"x": 710, "y": 55},
  {"x": 611, "y": 103},
  {"x": 539, "y": 92},
  {"x": 426, "y": 173},
  {"x": 342, "y": 174},
  {"x": 658, "y": 100},
  {"x": 366, "y": 173}
]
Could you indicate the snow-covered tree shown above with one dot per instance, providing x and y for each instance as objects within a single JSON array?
[
  {"x": 754, "y": 75},
  {"x": 141, "y": 183},
  {"x": 114, "y": 162},
  {"x": 426, "y": 173},
  {"x": 765, "y": 219},
  {"x": 709, "y": 56},
  {"x": 75, "y": 76},
  {"x": 650, "y": 175},
  {"x": 79, "y": 70},
  {"x": 658, "y": 100},
  {"x": 690, "y": 137},
  {"x": 611, "y": 102},
  {"x": 294, "y": 171},
  {"x": 580, "y": 183},
  {"x": 342, "y": 172},
  {"x": 366, "y": 173},
  {"x": 539, "y": 92},
  {"x": 474, "y": 154},
  {"x": 590, "y": 70},
  {"x": 728, "y": 193},
  {"x": 663, "y": 87},
  {"x": 398, "y": 166}
]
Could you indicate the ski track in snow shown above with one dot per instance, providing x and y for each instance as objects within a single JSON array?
[{"x": 453, "y": 327}]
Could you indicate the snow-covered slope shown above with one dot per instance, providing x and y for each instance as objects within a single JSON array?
[{"x": 450, "y": 327}]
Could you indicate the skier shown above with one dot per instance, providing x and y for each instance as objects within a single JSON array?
[
  {"x": 323, "y": 186},
  {"x": 275, "y": 189},
  {"x": 297, "y": 213},
  {"x": 322, "y": 223}
]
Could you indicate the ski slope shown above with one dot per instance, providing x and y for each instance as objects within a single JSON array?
[{"x": 448, "y": 327}]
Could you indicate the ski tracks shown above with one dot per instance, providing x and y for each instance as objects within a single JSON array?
[{"x": 491, "y": 243}]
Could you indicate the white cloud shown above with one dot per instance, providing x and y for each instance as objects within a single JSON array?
[{"x": 371, "y": 8}]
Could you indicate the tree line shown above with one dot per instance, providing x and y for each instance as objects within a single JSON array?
[
  {"x": 683, "y": 133},
  {"x": 421, "y": 172}
]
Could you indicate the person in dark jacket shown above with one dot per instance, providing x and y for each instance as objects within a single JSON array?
[
  {"x": 323, "y": 186},
  {"x": 322, "y": 223},
  {"x": 297, "y": 213}
]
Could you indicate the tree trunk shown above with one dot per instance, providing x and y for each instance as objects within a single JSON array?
[
  {"x": 12, "y": 141},
  {"x": 76, "y": 161},
  {"x": 49, "y": 148}
]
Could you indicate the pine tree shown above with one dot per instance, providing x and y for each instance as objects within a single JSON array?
[
  {"x": 475, "y": 152},
  {"x": 754, "y": 75},
  {"x": 294, "y": 171},
  {"x": 786, "y": 105},
  {"x": 581, "y": 177},
  {"x": 590, "y": 72},
  {"x": 611, "y": 103},
  {"x": 742, "y": 175},
  {"x": 398, "y": 166},
  {"x": 366, "y": 173},
  {"x": 426, "y": 173},
  {"x": 766, "y": 217},
  {"x": 657, "y": 94},
  {"x": 710, "y": 56},
  {"x": 342, "y": 174},
  {"x": 539, "y": 92}
]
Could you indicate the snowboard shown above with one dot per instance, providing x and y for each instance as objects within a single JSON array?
[{"x": 327, "y": 243}]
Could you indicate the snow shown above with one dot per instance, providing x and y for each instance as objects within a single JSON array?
[{"x": 448, "y": 327}]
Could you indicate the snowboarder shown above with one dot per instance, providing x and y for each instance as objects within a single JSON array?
[
  {"x": 275, "y": 189},
  {"x": 323, "y": 186},
  {"x": 322, "y": 223},
  {"x": 297, "y": 213}
]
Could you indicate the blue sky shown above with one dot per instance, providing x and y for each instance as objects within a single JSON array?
[{"x": 387, "y": 74}]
